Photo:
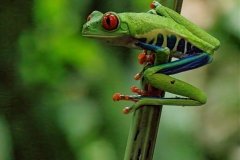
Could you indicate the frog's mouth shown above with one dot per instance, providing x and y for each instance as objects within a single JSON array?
[{"x": 124, "y": 40}]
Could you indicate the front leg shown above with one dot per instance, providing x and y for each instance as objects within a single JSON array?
[{"x": 160, "y": 52}]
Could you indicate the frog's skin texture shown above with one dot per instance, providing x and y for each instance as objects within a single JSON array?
[{"x": 163, "y": 32}]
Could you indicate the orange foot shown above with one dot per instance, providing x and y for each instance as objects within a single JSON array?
[
  {"x": 151, "y": 91},
  {"x": 144, "y": 58}
]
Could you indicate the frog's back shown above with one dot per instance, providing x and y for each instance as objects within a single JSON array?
[{"x": 161, "y": 31}]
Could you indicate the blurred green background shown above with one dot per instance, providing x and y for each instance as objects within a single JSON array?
[{"x": 56, "y": 86}]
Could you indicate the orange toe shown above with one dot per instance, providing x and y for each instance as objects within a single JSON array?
[
  {"x": 117, "y": 97},
  {"x": 126, "y": 110},
  {"x": 134, "y": 88},
  {"x": 137, "y": 76}
]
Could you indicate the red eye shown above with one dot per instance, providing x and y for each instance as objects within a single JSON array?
[
  {"x": 89, "y": 17},
  {"x": 110, "y": 21}
]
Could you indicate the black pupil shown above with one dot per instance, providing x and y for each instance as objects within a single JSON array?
[{"x": 108, "y": 21}]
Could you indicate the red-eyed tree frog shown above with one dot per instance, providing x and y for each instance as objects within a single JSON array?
[{"x": 163, "y": 32}]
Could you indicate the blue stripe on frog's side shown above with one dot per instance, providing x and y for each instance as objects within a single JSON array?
[
  {"x": 160, "y": 40},
  {"x": 192, "y": 49},
  {"x": 196, "y": 50},
  {"x": 181, "y": 45},
  {"x": 143, "y": 40},
  {"x": 171, "y": 41},
  {"x": 151, "y": 42},
  {"x": 189, "y": 48}
]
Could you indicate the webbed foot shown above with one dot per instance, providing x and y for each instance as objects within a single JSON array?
[{"x": 151, "y": 92}]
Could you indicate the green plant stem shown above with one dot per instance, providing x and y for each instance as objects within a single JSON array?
[{"x": 144, "y": 128}]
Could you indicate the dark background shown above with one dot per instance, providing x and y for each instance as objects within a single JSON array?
[{"x": 56, "y": 87}]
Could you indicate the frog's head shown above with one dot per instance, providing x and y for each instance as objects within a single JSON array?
[{"x": 107, "y": 27}]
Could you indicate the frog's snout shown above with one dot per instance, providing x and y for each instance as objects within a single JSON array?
[{"x": 85, "y": 28}]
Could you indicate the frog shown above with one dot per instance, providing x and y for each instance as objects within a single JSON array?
[{"x": 164, "y": 33}]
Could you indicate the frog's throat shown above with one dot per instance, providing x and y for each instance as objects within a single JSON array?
[
  {"x": 125, "y": 40},
  {"x": 99, "y": 36}
]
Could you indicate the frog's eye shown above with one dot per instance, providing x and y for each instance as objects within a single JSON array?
[
  {"x": 110, "y": 21},
  {"x": 89, "y": 17}
]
